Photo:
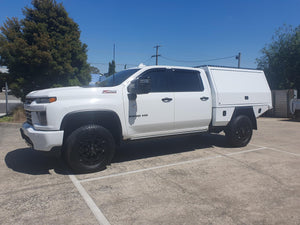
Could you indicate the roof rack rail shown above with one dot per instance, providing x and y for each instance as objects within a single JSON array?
[{"x": 226, "y": 67}]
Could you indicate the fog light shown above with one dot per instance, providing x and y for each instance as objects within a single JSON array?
[{"x": 42, "y": 118}]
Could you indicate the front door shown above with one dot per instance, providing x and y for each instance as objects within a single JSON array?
[{"x": 152, "y": 114}]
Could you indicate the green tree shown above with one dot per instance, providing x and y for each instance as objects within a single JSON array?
[
  {"x": 281, "y": 59},
  {"x": 111, "y": 68},
  {"x": 44, "y": 49},
  {"x": 3, "y": 79},
  {"x": 94, "y": 70}
]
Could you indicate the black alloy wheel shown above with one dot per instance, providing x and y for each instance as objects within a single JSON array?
[
  {"x": 89, "y": 148},
  {"x": 239, "y": 131}
]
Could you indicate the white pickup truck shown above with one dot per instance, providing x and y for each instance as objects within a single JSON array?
[{"x": 153, "y": 101}]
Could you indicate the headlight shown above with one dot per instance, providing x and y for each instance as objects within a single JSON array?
[{"x": 45, "y": 100}]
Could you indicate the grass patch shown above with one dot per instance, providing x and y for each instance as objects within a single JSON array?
[
  {"x": 17, "y": 116},
  {"x": 6, "y": 119}
]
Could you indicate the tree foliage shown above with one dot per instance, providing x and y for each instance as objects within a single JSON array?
[
  {"x": 94, "y": 70},
  {"x": 281, "y": 59},
  {"x": 3, "y": 79},
  {"x": 43, "y": 50},
  {"x": 111, "y": 68}
]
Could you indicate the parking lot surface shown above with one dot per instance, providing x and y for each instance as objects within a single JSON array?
[{"x": 180, "y": 180}]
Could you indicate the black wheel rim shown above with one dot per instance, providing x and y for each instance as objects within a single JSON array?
[
  {"x": 92, "y": 150},
  {"x": 243, "y": 132}
]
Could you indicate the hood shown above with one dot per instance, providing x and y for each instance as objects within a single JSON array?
[
  {"x": 53, "y": 92},
  {"x": 72, "y": 92},
  {"x": 66, "y": 92}
]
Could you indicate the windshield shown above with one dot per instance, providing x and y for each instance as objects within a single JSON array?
[{"x": 118, "y": 78}]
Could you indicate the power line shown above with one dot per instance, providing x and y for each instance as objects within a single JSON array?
[
  {"x": 98, "y": 63},
  {"x": 196, "y": 61},
  {"x": 147, "y": 60},
  {"x": 106, "y": 64},
  {"x": 238, "y": 57}
]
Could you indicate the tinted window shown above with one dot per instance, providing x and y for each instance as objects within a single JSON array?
[
  {"x": 186, "y": 81},
  {"x": 117, "y": 78},
  {"x": 159, "y": 80}
]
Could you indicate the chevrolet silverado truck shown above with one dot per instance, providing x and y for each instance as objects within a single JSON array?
[{"x": 87, "y": 123}]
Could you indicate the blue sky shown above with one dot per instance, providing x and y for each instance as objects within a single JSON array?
[{"x": 187, "y": 30}]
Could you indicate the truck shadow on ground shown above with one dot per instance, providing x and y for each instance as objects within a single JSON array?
[
  {"x": 164, "y": 146},
  {"x": 29, "y": 161}
]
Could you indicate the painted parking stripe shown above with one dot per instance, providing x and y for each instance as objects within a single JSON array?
[
  {"x": 170, "y": 165},
  {"x": 89, "y": 201},
  {"x": 278, "y": 150}
]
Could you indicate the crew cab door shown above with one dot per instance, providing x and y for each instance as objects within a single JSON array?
[
  {"x": 193, "y": 104},
  {"x": 152, "y": 114}
]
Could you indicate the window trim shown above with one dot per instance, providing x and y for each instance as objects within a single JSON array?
[
  {"x": 200, "y": 81},
  {"x": 158, "y": 70},
  {"x": 170, "y": 80}
]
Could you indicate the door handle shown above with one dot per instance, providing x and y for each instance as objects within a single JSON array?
[
  {"x": 165, "y": 100},
  {"x": 204, "y": 98}
]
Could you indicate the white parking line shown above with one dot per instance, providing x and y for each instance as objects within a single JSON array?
[
  {"x": 169, "y": 165},
  {"x": 277, "y": 150},
  {"x": 89, "y": 201}
]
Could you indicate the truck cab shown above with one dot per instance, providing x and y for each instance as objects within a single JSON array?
[{"x": 166, "y": 101}]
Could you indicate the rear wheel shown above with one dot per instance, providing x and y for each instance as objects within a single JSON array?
[
  {"x": 89, "y": 148},
  {"x": 239, "y": 131}
]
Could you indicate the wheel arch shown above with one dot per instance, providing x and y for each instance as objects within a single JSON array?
[
  {"x": 106, "y": 118},
  {"x": 247, "y": 111}
]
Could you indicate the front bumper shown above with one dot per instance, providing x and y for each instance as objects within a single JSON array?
[{"x": 41, "y": 140}]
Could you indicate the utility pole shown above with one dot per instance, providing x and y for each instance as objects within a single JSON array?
[
  {"x": 6, "y": 98},
  {"x": 114, "y": 53},
  {"x": 114, "y": 60},
  {"x": 156, "y": 55},
  {"x": 238, "y": 57}
]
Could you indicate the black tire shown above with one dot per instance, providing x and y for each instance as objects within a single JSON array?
[
  {"x": 89, "y": 148},
  {"x": 239, "y": 131}
]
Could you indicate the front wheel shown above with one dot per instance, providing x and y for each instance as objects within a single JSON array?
[
  {"x": 89, "y": 148},
  {"x": 239, "y": 131}
]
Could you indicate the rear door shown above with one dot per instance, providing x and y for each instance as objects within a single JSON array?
[{"x": 192, "y": 100}]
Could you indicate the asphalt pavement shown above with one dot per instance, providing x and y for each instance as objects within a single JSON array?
[{"x": 195, "y": 179}]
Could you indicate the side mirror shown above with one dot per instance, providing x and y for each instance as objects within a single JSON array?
[
  {"x": 132, "y": 90},
  {"x": 132, "y": 87}
]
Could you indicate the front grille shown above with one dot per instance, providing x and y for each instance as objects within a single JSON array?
[{"x": 28, "y": 116}]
